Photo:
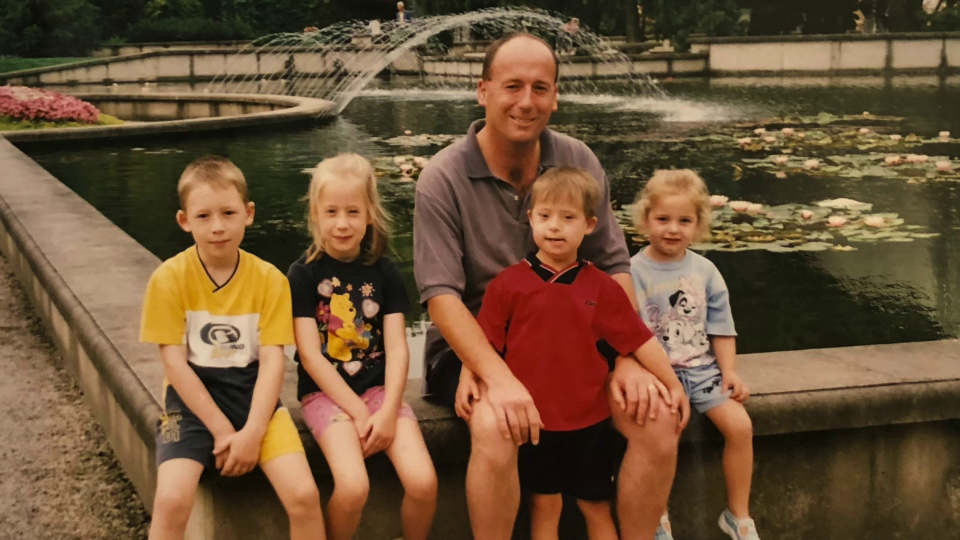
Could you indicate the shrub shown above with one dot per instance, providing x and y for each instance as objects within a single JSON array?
[
  {"x": 189, "y": 29},
  {"x": 945, "y": 20},
  {"x": 48, "y": 27},
  {"x": 35, "y": 104}
]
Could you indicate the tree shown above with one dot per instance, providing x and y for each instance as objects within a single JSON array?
[{"x": 48, "y": 27}]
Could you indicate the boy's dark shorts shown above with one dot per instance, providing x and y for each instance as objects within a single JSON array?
[
  {"x": 180, "y": 434},
  {"x": 582, "y": 463}
]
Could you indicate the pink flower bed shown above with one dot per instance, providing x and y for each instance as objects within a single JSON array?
[{"x": 23, "y": 103}]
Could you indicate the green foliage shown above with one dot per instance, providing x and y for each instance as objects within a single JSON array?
[
  {"x": 9, "y": 124},
  {"x": 192, "y": 29},
  {"x": 12, "y": 63},
  {"x": 676, "y": 21},
  {"x": 946, "y": 20},
  {"x": 48, "y": 27},
  {"x": 117, "y": 15}
]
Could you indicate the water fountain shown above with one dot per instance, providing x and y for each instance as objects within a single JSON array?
[{"x": 337, "y": 62}]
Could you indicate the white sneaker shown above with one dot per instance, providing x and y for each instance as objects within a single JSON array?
[{"x": 737, "y": 529}]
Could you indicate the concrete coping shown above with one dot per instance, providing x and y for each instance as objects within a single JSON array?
[
  {"x": 78, "y": 254},
  {"x": 294, "y": 109},
  {"x": 907, "y": 36},
  {"x": 573, "y": 59}
]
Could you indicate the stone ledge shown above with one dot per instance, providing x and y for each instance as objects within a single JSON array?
[{"x": 793, "y": 38}]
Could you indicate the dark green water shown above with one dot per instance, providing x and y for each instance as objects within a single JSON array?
[{"x": 881, "y": 293}]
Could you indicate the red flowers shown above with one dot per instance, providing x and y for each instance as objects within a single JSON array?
[{"x": 23, "y": 103}]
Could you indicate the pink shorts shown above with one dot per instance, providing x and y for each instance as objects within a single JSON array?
[{"x": 319, "y": 411}]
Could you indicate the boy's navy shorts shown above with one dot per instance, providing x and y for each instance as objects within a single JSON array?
[
  {"x": 180, "y": 434},
  {"x": 582, "y": 463}
]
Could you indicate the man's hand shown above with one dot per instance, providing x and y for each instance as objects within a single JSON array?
[
  {"x": 241, "y": 451},
  {"x": 517, "y": 416},
  {"x": 637, "y": 392},
  {"x": 737, "y": 387},
  {"x": 682, "y": 402},
  {"x": 468, "y": 391},
  {"x": 381, "y": 429}
]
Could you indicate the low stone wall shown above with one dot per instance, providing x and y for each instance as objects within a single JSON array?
[
  {"x": 842, "y": 54},
  {"x": 859, "y": 442},
  {"x": 182, "y": 113},
  {"x": 581, "y": 67},
  {"x": 137, "y": 48}
]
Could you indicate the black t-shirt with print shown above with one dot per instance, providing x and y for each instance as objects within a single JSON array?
[{"x": 348, "y": 301}]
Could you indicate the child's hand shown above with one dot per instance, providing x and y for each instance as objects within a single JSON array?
[
  {"x": 738, "y": 388},
  {"x": 361, "y": 421},
  {"x": 682, "y": 404},
  {"x": 381, "y": 429},
  {"x": 241, "y": 450},
  {"x": 221, "y": 451},
  {"x": 468, "y": 391}
]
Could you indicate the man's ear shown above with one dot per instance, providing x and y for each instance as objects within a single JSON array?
[
  {"x": 591, "y": 224},
  {"x": 482, "y": 93},
  {"x": 182, "y": 221},
  {"x": 251, "y": 208}
]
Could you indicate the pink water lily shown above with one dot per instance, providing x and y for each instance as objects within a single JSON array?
[
  {"x": 917, "y": 158},
  {"x": 874, "y": 221},
  {"x": 718, "y": 201},
  {"x": 865, "y": 130},
  {"x": 801, "y": 135},
  {"x": 836, "y": 221},
  {"x": 806, "y": 214},
  {"x": 787, "y": 132},
  {"x": 420, "y": 161},
  {"x": 406, "y": 168},
  {"x": 895, "y": 137},
  {"x": 759, "y": 131},
  {"x": 744, "y": 141},
  {"x": 770, "y": 139},
  {"x": 893, "y": 160},
  {"x": 407, "y": 132},
  {"x": 944, "y": 166},
  {"x": 754, "y": 208},
  {"x": 781, "y": 160},
  {"x": 866, "y": 113},
  {"x": 740, "y": 206},
  {"x": 400, "y": 160},
  {"x": 781, "y": 175},
  {"x": 812, "y": 163},
  {"x": 944, "y": 135}
]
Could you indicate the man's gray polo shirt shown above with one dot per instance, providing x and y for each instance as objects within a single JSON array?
[{"x": 469, "y": 225}]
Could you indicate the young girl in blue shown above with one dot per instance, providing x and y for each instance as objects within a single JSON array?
[
  {"x": 348, "y": 318},
  {"x": 683, "y": 299}
]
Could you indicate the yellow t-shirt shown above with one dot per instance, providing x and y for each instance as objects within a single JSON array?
[{"x": 222, "y": 327}]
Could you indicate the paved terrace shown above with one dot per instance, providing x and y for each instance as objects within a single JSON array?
[{"x": 858, "y": 442}]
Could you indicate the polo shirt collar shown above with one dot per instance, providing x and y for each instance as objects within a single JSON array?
[
  {"x": 477, "y": 166},
  {"x": 564, "y": 276}
]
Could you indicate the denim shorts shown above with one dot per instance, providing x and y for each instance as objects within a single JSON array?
[{"x": 703, "y": 386}]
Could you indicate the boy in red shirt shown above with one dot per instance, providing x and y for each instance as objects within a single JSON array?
[{"x": 547, "y": 316}]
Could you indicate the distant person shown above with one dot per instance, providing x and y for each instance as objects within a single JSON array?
[
  {"x": 567, "y": 40},
  {"x": 684, "y": 300},
  {"x": 221, "y": 317},
  {"x": 348, "y": 314},
  {"x": 557, "y": 358},
  {"x": 404, "y": 17}
]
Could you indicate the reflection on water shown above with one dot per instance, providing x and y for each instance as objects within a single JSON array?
[{"x": 891, "y": 292}]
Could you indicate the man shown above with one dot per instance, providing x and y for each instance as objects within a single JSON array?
[
  {"x": 469, "y": 224},
  {"x": 403, "y": 16}
]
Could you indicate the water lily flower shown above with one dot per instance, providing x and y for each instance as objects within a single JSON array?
[
  {"x": 781, "y": 160},
  {"x": 812, "y": 163},
  {"x": 874, "y": 221},
  {"x": 406, "y": 168},
  {"x": 718, "y": 201},
  {"x": 407, "y": 132},
  {"x": 770, "y": 139},
  {"x": 866, "y": 113},
  {"x": 787, "y": 131},
  {"x": 755, "y": 208},
  {"x": 781, "y": 175},
  {"x": 893, "y": 160},
  {"x": 420, "y": 161},
  {"x": 944, "y": 166},
  {"x": 917, "y": 158},
  {"x": 740, "y": 206},
  {"x": 744, "y": 141},
  {"x": 806, "y": 214},
  {"x": 836, "y": 221},
  {"x": 400, "y": 160},
  {"x": 895, "y": 137},
  {"x": 801, "y": 135},
  {"x": 759, "y": 131},
  {"x": 944, "y": 135},
  {"x": 865, "y": 130}
]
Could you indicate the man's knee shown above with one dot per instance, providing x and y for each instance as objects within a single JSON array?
[
  {"x": 486, "y": 440},
  {"x": 657, "y": 437}
]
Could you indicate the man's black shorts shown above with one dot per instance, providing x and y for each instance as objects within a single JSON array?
[{"x": 582, "y": 463}]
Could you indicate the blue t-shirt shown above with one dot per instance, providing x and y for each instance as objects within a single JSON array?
[{"x": 683, "y": 302}]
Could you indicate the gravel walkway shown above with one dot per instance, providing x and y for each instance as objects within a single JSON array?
[{"x": 59, "y": 479}]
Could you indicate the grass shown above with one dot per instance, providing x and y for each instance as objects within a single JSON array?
[
  {"x": 14, "y": 63},
  {"x": 9, "y": 124}
]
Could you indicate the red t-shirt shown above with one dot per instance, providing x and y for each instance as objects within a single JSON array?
[{"x": 547, "y": 324}]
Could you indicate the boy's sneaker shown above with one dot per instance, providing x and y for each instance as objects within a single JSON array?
[
  {"x": 664, "y": 531},
  {"x": 737, "y": 529}
]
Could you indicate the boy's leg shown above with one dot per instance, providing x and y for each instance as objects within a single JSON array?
[
  {"x": 293, "y": 481},
  {"x": 732, "y": 420},
  {"x": 599, "y": 519},
  {"x": 410, "y": 458},
  {"x": 340, "y": 444},
  {"x": 177, "y": 481},
  {"x": 545, "y": 513}
]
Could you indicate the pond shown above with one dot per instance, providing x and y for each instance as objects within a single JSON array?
[{"x": 798, "y": 278}]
